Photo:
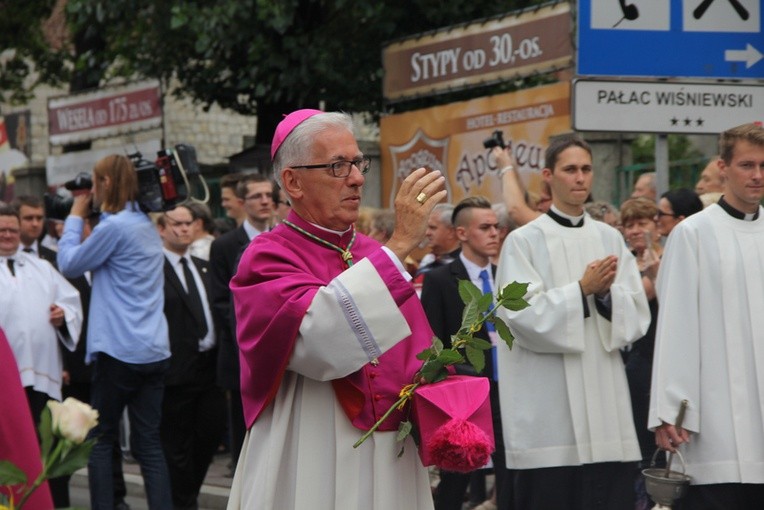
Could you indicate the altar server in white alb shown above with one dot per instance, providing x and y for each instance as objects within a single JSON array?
[
  {"x": 710, "y": 339},
  {"x": 565, "y": 405},
  {"x": 38, "y": 309}
]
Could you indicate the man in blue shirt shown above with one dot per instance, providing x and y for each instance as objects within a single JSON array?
[{"x": 127, "y": 334}]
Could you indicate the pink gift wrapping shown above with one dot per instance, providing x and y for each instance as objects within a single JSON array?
[{"x": 455, "y": 414}]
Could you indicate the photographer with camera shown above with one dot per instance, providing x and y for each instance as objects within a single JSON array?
[
  {"x": 127, "y": 333},
  {"x": 514, "y": 193}
]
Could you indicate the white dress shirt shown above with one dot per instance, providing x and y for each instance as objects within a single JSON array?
[{"x": 208, "y": 342}]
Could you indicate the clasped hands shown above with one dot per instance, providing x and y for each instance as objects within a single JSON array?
[{"x": 599, "y": 276}]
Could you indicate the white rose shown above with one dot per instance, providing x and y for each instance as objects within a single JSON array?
[{"x": 72, "y": 419}]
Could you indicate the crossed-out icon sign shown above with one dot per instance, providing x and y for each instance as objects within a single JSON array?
[
  {"x": 697, "y": 15},
  {"x": 675, "y": 38},
  {"x": 701, "y": 9}
]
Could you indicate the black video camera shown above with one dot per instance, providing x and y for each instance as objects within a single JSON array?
[
  {"x": 58, "y": 204},
  {"x": 496, "y": 140},
  {"x": 80, "y": 182},
  {"x": 163, "y": 183}
]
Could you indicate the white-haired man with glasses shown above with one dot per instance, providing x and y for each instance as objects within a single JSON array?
[{"x": 329, "y": 327}]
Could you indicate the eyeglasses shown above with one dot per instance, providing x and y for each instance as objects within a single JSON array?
[
  {"x": 342, "y": 167},
  {"x": 660, "y": 214}
]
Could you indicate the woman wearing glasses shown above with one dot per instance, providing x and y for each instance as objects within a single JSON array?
[{"x": 674, "y": 206}]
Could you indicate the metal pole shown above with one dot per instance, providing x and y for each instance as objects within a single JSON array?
[
  {"x": 162, "y": 90},
  {"x": 661, "y": 164}
]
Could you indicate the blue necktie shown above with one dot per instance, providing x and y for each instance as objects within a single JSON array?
[{"x": 489, "y": 326}]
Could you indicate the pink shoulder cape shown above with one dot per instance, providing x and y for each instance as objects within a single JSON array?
[
  {"x": 18, "y": 440},
  {"x": 277, "y": 278}
]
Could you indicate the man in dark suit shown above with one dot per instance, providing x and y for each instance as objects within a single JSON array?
[
  {"x": 441, "y": 240},
  {"x": 229, "y": 200},
  {"x": 193, "y": 409},
  {"x": 31, "y": 224},
  {"x": 256, "y": 191},
  {"x": 476, "y": 227}
]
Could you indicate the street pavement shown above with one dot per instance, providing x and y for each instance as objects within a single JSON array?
[{"x": 213, "y": 496}]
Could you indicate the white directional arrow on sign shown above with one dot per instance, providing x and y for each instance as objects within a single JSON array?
[{"x": 749, "y": 55}]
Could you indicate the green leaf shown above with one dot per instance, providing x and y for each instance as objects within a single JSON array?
[
  {"x": 449, "y": 357},
  {"x": 517, "y": 304},
  {"x": 514, "y": 290},
  {"x": 440, "y": 376},
  {"x": 202, "y": 43},
  {"x": 177, "y": 21},
  {"x": 426, "y": 354},
  {"x": 46, "y": 433},
  {"x": 431, "y": 370},
  {"x": 479, "y": 343},
  {"x": 468, "y": 291},
  {"x": 10, "y": 474},
  {"x": 476, "y": 358},
  {"x": 404, "y": 430},
  {"x": 471, "y": 313},
  {"x": 461, "y": 334},
  {"x": 432, "y": 351},
  {"x": 503, "y": 330},
  {"x": 485, "y": 302},
  {"x": 77, "y": 459}
]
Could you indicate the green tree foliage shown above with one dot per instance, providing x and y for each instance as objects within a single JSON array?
[
  {"x": 257, "y": 56},
  {"x": 685, "y": 160},
  {"x": 679, "y": 146},
  {"x": 25, "y": 50}
]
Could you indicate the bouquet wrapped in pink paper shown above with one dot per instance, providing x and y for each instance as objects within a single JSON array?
[
  {"x": 453, "y": 418},
  {"x": 451, "y": 414}
]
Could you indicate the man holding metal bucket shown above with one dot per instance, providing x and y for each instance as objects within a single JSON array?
[{"x": 710, "y": 336}]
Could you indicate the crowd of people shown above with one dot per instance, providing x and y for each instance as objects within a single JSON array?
[{"x": 288, "y": 329}]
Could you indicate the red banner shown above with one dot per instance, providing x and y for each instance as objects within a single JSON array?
[{"x": 104, "y": 113}]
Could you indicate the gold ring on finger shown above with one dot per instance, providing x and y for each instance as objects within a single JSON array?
[{"x": 421, "y": 197}]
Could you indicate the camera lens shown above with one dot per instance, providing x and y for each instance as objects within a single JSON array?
[
  {"x": 58, "y": 205},
  {"x": 80, "y": 182},
  {"x": 496, "y": 140}
]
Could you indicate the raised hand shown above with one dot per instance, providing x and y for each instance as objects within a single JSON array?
[{"x": 418, "y": 194}]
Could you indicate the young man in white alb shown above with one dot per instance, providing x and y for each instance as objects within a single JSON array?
[{"x": 710, "y": 338}]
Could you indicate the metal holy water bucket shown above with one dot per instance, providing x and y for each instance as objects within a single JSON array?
[{"x": 664, "y": 487}]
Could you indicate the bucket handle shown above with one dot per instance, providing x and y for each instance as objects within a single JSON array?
[{"x": 678, "y": 452}]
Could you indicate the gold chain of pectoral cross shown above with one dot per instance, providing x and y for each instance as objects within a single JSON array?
[{"x": 347, "y": 257}]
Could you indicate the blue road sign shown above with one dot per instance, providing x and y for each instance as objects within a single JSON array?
[{"x": 671, "y": 38}]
